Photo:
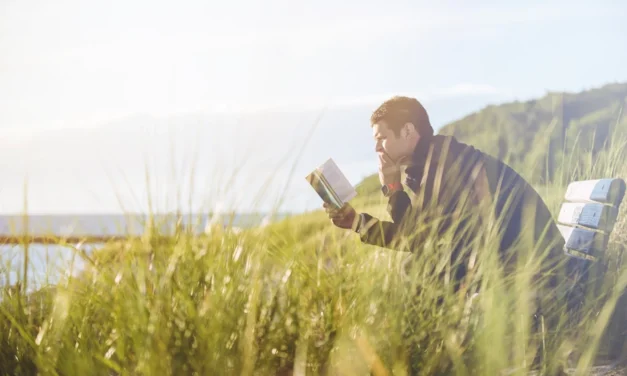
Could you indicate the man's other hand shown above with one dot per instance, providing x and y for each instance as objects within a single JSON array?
[
  {"x": 389, "y": 171},
  {"x": 345, "y": 217}
]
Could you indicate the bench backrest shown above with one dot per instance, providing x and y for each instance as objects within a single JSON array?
[{"x": 587, "y": 217}]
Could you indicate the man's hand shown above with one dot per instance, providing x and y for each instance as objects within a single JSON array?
[
  {"x": 389, "y": 175},
  {"x": 389, "y": 171},
  {"x": 345, "y": 217}
]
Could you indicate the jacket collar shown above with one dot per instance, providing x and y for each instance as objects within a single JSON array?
[{"x": 416, "y": 167}]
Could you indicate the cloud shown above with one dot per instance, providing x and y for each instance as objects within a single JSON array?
[
  {"x": 468, "y": 89},
  {"x": 455, "y": 91},
  {"x": 318, "y": 103},
  {"x": 413, "y": 22},
  {"x": 112, "y": 69}
]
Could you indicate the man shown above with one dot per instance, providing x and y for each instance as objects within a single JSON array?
[
  {"x": 454, "y": 184},
  {"x": 457, "y": 192}
]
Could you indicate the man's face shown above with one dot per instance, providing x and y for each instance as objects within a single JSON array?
[{"x": 397, "y": 147}]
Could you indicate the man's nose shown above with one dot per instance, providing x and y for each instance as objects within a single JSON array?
[{"x": 378, "y": 147}]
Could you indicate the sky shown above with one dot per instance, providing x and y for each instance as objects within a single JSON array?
[{"x": 71, "y": 66}]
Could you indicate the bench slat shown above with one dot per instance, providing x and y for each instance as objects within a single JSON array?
[
  {"x": 592, "y": 215},
  {"x": 606, "y": 191},
  {"x": 583, "y": 240}
]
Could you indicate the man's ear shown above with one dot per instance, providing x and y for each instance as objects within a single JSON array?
[{"x": 407, "y": 130}]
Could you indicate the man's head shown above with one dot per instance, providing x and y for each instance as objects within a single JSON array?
[{"x": 397, "y": 125}]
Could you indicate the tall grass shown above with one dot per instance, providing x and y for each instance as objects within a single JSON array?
[{"x": 301, "y": 297}]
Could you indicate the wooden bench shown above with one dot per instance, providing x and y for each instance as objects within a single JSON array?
[
  {"x": 586, "y": 220},
  {"x": 588, "y": 214}
]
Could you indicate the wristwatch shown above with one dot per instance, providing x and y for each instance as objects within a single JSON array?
[{"x": 390, "y": 188}]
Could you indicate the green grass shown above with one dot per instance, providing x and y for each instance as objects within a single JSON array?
[{"x": 302, "y": 297}]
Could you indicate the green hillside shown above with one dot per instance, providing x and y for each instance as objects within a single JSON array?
[{"x": 553, "y": 129}]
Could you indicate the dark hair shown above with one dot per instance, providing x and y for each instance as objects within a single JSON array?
[{"x": 399, "y": 110}]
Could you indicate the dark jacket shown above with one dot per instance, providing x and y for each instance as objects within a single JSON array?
[{"x": 458, "y": 190}]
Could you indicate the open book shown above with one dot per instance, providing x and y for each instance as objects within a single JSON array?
[{"x": 331, "y": 184}]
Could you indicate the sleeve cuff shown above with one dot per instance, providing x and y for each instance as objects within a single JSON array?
[{"x": 357, "y": 222}]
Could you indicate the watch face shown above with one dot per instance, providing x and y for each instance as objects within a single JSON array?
[{"x": 388, "y": 191}]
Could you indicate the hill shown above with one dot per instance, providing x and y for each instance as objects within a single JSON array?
[{"x": 551, "y": 129}]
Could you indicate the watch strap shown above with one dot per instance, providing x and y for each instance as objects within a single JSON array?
[{"x": 390, "y": 188}]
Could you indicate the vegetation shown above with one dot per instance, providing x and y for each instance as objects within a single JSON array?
[
  {"x": 301, "y": 297},
  {"x": 539, "y": 137}
]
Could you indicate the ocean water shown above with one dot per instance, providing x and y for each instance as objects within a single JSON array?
[{"x": 48, "y": 264}]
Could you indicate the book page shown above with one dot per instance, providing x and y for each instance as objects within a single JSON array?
[
  {"x": 337, "y": 181},
  {"x": 323, "y": 188}
]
